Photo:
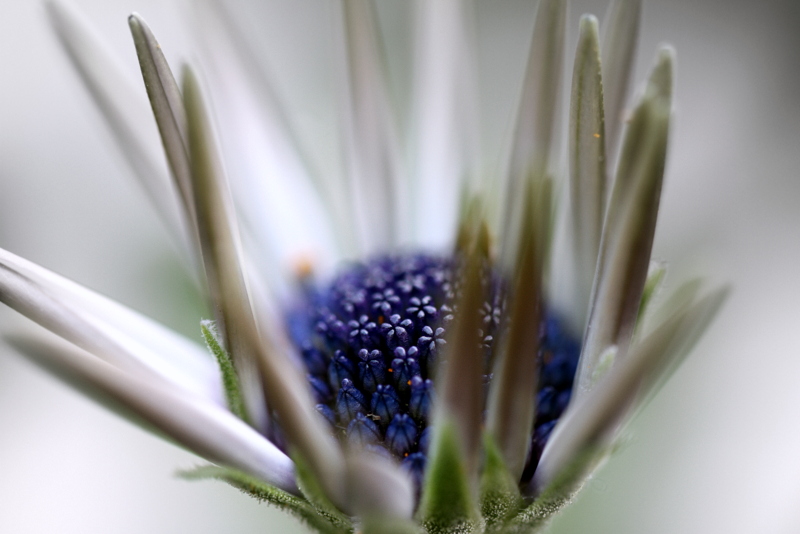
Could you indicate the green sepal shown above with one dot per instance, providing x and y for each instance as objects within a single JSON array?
[
  {"x": 499, "y": 492},
  {"x": 447, "y": 504},
  {"x": 558, "y": 494},
  {"x": 316, "y": 497},
  {"x": 296, "y": 506},
  {"x": 230, "y": 379}
]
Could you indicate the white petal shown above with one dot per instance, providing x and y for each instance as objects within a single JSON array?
[
  {"x": 629, "y": 226},
  {"x": 587, "y": 161},
  {"x": 286, "y": 390},
  {"x": 445, "y": 124},
  {"x": 290, "y": 212},
  {"x": 619, "y": 49},
  {"x": 378, "y": 487},
  {"x": 533, "y": 137},
  {"x": 202, "y": 427},
  {"x": 512, "y": 392},
  {"x": 594, "y": 418},
  {"x": 165, "y": 100},
  {"x": 107, "y": 329},
  {"x": 459, "y": 386},
  {"x": 124, "y": 107},
  {"x": 379, "y": 195}
]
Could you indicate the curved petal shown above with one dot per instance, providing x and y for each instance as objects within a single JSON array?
[
  {"x": 445, "y": 122},
  {"x": 594, "y": 418},
  {"x": 629, "y": 226},
  {"x": 285, "y": 388},
  {"x": 619, "y": 50},
  {"x": 587, "y": 161},
  {"x": 289, "y": 212},
  {"x": 165, "y": 100},
  {"x": 107, "y": 329},
  {"x": 460, "y": 372},
  {"x": 512, "y": 391},
  {"x": 378, "y": 487},
  {"x": 533, "y": 138},
  {"x": 202, "y": 427},
  {"x": 372, "y": 150}
]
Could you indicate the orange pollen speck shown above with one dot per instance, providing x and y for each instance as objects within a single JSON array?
[
  {"x": 303, "y": 267},
  {"x": 597, "y": 135}
]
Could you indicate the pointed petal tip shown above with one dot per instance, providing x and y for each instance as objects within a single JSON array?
[
  {"x": 628, "y": 386},
  {"x": 589, "y": 23},
  {"x": 137, "y": 24},
  {"x": 661, "y": 80}
]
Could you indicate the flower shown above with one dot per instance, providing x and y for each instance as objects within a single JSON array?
[{"x": 255, "y": 410}]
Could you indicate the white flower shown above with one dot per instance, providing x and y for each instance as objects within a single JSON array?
[{"x": 169, "y": 383}]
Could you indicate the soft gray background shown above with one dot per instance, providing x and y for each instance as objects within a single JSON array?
[{"x": 715, "y": 452}]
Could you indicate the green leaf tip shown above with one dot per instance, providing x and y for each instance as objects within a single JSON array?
[
  {"x": 230, "y": 378},
  {"x": 500, "y": 498},
  {"x": 296, "y": 506},
  {"x": 447, "y": 504}
]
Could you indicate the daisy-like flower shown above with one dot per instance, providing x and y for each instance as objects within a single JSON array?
[{"x": 442, "y": 379}]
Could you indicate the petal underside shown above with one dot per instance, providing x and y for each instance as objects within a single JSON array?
[{"x": 202, "y": 427}]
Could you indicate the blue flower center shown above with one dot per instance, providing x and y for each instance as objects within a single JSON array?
[{"x": 371, "y": 339}]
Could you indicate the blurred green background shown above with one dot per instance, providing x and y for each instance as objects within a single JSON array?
[{"x": 716, "y": 451}]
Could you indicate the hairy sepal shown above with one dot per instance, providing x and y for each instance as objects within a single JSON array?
[
  {"x": 230, "y": 378},
  {"x": 500, "y": 498},
  {"x": 295, "y": 506},
  {"x": 557, "y": 495},
  {"x": 448, "y": 503}
]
